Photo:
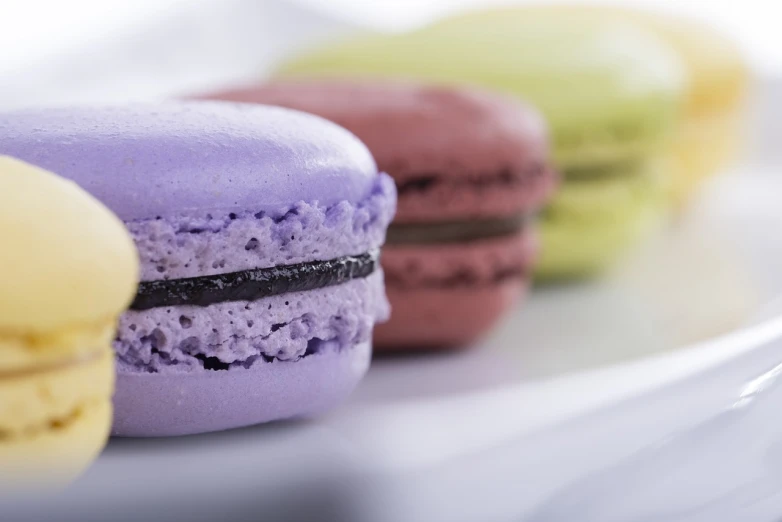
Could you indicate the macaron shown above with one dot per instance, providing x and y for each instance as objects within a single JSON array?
[
  {"x": 623, "y": 208},
  {"x": 472, "y": 170},
  {"x": 611, "y": 92},
  {"x": 709, "y": 136},
  {"x": 69, "y": 268},
  {"x": 258, "y": 230}
]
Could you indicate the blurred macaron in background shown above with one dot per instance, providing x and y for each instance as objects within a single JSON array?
[
  {"x": 69, "y": 268},
  {"x": 612, "y": 94},
  {"x": 711, "y": 130},
  {"x": 472, "y": 170}
]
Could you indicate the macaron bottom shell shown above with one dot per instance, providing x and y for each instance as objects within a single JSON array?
[
  {"x": 57, "y": 456},
  {"x": 152, "y": 405},
  {"x": 591, "y": 222},
  {"x": 445, "y": 318},
  {"x": 284, "y": 356},
  {"x": 448, "y": 296},
  {"x": 54, "y": 423}
]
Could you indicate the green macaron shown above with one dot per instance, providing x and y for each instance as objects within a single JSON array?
[
  {"x": 611, "y": 92},
  {"x": 599, "y": 213}
]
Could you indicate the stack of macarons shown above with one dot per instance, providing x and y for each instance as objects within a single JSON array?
[
  {"x": 472, "y": 170},
  {"x": 615, "y": 94},
  {"x": 69, "y": 269}
]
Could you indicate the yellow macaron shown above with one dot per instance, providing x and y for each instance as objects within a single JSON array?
[
  {"x": 68, "y": 268},
  {"x": 709, "y": 137}
]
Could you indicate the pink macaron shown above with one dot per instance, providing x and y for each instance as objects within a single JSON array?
[{"x": 472, "y": 169}]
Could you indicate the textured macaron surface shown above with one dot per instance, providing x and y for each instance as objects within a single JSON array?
[
  {"x": 211, "y": 189},
  {"x": 193, "y": 159},
  {"x": 247, "y": 334},
  {"x": 243, "y": 334},
  {"x": 188, "y": 246},
  {"x": 454, "y": 153}
]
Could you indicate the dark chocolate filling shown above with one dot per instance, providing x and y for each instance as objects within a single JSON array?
[
  {"x": 454, "y": 231},
  {"x": 461, "y": 278},
  {"x": 503, "y": 178},
  {"x": 249, "y": 285}
]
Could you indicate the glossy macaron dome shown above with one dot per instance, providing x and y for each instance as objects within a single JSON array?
[
  {"x": 472, "y": 168},
  {"x": 193, "y": 159},
  {"x": 258, "y": 230},
  {"x": 69, "y": 268}
]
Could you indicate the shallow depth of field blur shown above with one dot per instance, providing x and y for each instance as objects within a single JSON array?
[
  {"x": 118, "y": 50},
  {"x": 688, "y": 285}
]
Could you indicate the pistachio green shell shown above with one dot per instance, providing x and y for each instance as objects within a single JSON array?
[
  {"x": 592, "y": 221},
  {"x": 609, "y": 90}
]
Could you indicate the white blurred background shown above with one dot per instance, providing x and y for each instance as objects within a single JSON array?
[{"x": 121, "y": 50}]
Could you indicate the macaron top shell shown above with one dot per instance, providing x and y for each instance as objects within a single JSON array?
[
  {"x": 600, "y": 83},
  {"x": 716, "y": 69},
  {"x": 455, "y": 153},
  {"x": 67, "y": 262},
  {"x": 432, "y": 128},
  {"x": 160, "y": 160}
]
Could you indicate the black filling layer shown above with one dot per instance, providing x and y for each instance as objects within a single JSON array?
[
  {"x": 463, "y": 278},
  {"x": 454, "y": 231},
  {"x": 249, "y": 285}
]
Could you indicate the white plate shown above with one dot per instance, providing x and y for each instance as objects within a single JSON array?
[
  {"x": 632, "y": 398},
  {"x": 590, "y": 403}
]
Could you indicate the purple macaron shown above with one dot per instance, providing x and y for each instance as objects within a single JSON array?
[{"x": 258, "y": 230}]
